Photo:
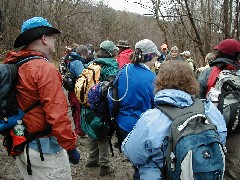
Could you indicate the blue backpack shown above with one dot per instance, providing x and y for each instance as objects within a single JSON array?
[
  {"x": 97, "y": 98},
  {"x": 194, "y": 149},
  {"x": 103, "y": 97}
]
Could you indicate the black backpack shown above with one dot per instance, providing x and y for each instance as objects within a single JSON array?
[
  {"x": 69, "y": 80},
  {"x": 9, "y": 111}
]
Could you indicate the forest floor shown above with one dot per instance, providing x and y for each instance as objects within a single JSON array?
[{"x": 122, "y": 168}]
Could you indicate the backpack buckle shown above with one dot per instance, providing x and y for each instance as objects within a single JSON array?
[{"x": 173, "y": 161}]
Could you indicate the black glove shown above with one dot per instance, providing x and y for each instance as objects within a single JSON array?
[{"x": 74, "y": 156}]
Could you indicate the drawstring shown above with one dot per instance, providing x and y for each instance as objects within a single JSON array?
[
  {"x": 29, "y": 168},
  {"x": 40, "y": 149},
  {"x": 126, "y": 88}
]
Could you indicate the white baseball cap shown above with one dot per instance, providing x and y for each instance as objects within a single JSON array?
[
  {"x": 147, "y": 47},
  {"x": 186, "y": 53}
]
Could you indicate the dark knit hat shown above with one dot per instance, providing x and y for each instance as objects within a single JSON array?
[
  {"x": 123, "y": 43},
  {"x": 229, "y": 47}
]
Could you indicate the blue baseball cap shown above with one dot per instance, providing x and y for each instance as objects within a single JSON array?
[{"x": 33, "y": 29}]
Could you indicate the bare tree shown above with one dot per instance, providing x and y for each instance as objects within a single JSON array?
[{"x": 196, "y": 25}]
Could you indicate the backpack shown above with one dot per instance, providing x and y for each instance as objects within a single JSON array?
[
  {"x": 103, "y": 97},
  {"x": 112, "y": 94},
  {"x": 69, "y": 80},
  {"x": 226, "y": 96},
  {"x": 9, "y": 111},
  {"x": 97, "y": 98},
  {"x": 104, "y": 102},
  {"x": 87, "y": 79},
  {"x": 194, "y": 150}
]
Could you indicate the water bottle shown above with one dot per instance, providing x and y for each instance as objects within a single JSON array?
[
  {"x": 70, "y": 80},
  {"x": 19, "y": 128}
]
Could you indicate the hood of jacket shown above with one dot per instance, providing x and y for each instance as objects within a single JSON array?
[
  {"x": 107, "y": 61},
  {"x": 109, "y": 67},
  {"x": 173, "y": 97},
  {"x": 14, "y": 56}
]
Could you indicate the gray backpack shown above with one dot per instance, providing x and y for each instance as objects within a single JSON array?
[
  {"x": 194, "y": 149},
  {"x": 226, "y": 96}
]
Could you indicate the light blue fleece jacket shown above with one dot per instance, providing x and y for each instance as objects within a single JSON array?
[{"x": 148, "y": 137}]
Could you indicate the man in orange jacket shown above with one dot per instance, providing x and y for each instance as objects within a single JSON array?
[{"x": 40, "y": 80}]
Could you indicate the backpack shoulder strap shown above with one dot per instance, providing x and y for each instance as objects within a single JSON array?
[
  {"x": 114, "y": 85},
  {"x": 174, "y": 112},
  {"x": 27, "y": 59},
  {"x": 194, "y": 115},
  {"x": 37, "y": 103},
  {"x": 213, "y": 77}
]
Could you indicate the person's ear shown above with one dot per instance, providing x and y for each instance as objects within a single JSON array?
[{"x": 44, "y": 39}]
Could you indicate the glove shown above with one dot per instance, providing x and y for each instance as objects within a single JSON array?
[{"x": 73, "y": 156}]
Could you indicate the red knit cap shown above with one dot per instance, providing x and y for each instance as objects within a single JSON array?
[{"x": 228, "y": 47}]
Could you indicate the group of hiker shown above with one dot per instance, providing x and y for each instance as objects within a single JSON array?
[{"x": 166, "y": 123}]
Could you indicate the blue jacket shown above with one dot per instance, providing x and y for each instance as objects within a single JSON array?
[
  {"x": 148, "y": 136},
  {"x": 139, "y": 94}
]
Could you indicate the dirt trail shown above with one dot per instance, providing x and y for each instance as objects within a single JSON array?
[{"x": 122, "y": 168}]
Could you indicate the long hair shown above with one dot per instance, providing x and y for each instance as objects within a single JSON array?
[
  {"x": 176, "y": 75},
  {"x": 137, "y": 57},
  {"x": 106, "y": 54}
]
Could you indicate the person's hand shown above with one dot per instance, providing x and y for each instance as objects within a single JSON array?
[{"x": 74, "y": 156}]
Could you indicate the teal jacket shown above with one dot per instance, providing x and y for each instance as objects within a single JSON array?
[
  {"x": 109, "y": 67},
  {"x": 90, "y": 123}
]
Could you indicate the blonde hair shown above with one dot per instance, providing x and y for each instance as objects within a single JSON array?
[{"x": 176, "y": 75}]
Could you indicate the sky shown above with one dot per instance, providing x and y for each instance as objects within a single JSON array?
[{"x": 128, "y": 5}]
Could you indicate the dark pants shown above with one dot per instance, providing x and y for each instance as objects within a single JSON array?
[
  {"x": 232, "y": 168},
  {"x": 76, "y": 111},
  {"x": 123, "y": 133}
]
